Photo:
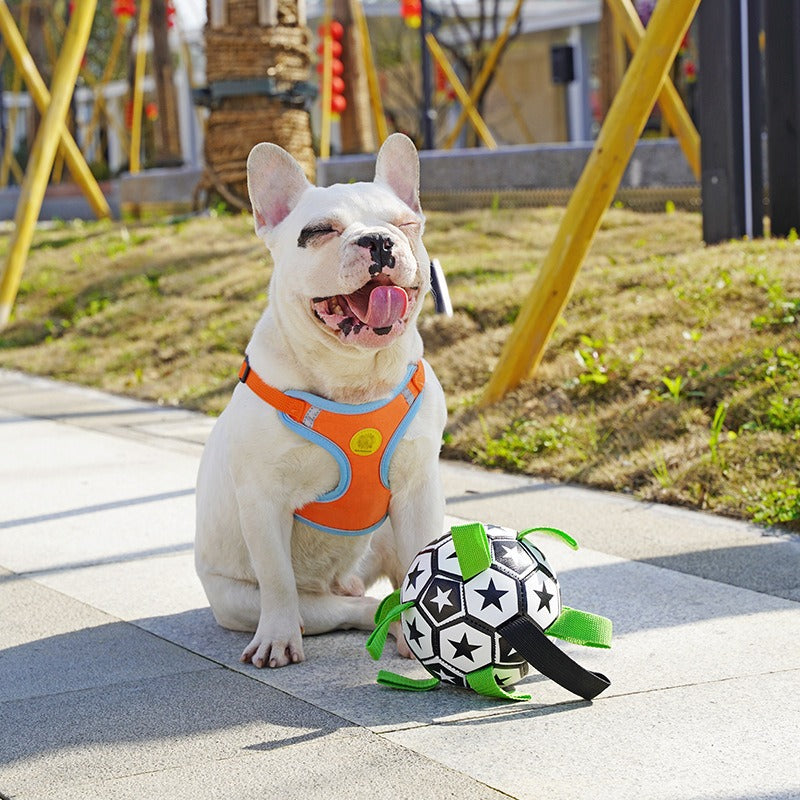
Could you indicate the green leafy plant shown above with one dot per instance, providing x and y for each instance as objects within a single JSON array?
[
  {"x": 716, "y": 432},
  {"x": 779, "y": 506},
  {"x": 674, "y": 387},
  {"x": 592, "y": 360}
]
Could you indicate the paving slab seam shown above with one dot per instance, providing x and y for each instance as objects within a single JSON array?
[{"x": 133, "y": 682}]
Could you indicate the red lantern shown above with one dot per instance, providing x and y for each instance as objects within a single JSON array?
[
  {"x": 336, "y": 31},
  {"x": 124, "y": 8},
  {"x": 336, "y": 48},
  {"x": 411, "y": 12},
  {"x": 338, "y": 103}
]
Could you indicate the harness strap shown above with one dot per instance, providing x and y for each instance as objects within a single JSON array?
[{"x": 293, "y": 406}]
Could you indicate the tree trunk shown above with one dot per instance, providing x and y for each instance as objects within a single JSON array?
[
  {"x": 355, "y": 127},
  {"x": 168, "y": 141}
]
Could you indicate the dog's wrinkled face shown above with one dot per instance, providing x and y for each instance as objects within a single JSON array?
[{"x": 349, "y": 259}]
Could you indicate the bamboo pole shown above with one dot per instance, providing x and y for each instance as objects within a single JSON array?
[
  {"x": 41, "y": 96},
  {"x": 99, "y": 105},
  {"x": 9, "y": 162},
  {"x": 483, "y": 75},
  {"x": 466, "y": 101},
  {"x": 44, "y": 149},
  {"x": 596, "y": 187},
  {"x": 675, "y": 113},
  {"x": 135, "y": 159},
  {"x": 372, "y": 77},
  {"x": 327, "y": 83}
]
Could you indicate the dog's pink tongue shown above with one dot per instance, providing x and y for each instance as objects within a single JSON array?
[{"x": 381, "y": 308}]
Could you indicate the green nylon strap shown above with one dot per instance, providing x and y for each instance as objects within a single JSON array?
[
  {"x": 581, "y": 627},
  {"x": 565, "y": 537},
  {"x": 386, "y": 605},
  {"x": 472, "y": 548},
  {"x": 377, "y": 639},
  {"x": 395, "y": 681},
  {"x": 484, "y": 682}
]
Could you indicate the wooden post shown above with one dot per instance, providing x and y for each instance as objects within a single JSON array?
[
  {"x": 355, "y": 126},
  {"x": 135, "y": 159},
  {"x": 596, "y": 187},
  {"x": 44, "y": 151},
  {"x": 327, "y": 83},
  {"x": 41, "y": 97},
  {"x": 782, "y": 23},
  {"x": 372, "y": 75},
  {"x": 484, "y": 74},
  {"x": 168, "y": 140},
  {"x": 466, "y": 101},
  {"x": 730, "y": 120},
  {"x": 672, "y": 107}
]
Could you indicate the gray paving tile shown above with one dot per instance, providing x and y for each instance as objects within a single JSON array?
[
  {"x": 689, "y": 742},
  {"x": 51, "y": 644},
  {"x": 211, "y": 734},
  {"x": 105, "y": 498},
  {"x": 709, "y": 546},
  {"x": 671, "y": 629}
]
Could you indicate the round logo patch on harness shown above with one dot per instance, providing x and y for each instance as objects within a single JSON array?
[{"x": 366, "y": 441}]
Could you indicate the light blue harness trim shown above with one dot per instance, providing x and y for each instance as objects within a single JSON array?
[
  {"x": 345, "y": 472},
  {"x": 347, "y": 408}
]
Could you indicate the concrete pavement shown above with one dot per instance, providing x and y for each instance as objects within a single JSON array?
[{"x": 115, "y": 682}]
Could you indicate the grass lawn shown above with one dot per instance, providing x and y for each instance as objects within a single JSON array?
[{"x": 674, "y": 373}]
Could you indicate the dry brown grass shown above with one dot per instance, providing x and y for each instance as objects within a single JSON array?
[{"x": 661, "y": 335}]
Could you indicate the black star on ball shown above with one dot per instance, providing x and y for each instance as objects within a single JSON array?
[
  {"x": 463, "y": 648},
  {"x": 413, "y": 575},
  {"x": 413, "y": 633},
  {"x": 491, "y": 595},
  {"x": 544, "y": 598}
]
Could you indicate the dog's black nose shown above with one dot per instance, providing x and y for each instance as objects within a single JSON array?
[{"x": 380, "y": 248}]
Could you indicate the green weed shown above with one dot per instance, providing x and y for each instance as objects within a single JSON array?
[{"x": 779, "y": 506}]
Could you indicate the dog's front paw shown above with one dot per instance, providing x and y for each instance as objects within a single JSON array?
[
  {"x": 403, "y": 650},
  {"x": 274, "y": 647}
]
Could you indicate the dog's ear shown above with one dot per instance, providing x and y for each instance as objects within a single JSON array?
[
  {"x": 275, "y": 182},
  {"x": 398, "y": 168}
]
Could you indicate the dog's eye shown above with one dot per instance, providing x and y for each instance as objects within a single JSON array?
[
  {"x": 410, "y": 224},
  {"x": 313, "y": 232}
]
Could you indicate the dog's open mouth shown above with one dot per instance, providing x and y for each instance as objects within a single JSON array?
[{"x": 370, "y": 315}]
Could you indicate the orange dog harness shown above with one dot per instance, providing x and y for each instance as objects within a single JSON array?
[{"x": 362, "y": 438}]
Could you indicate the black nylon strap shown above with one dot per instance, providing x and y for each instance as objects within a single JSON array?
[{"x": 548, "y": 658}]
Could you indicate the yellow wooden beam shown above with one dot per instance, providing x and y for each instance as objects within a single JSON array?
[
  {"x": 9, "y": 162},
  {"x": 599, "y": 180},
  {"x": 41, "y": 96},
  {"x": 672, "y": 107},
  {"x": 135, "y": 159},
  {"x": 44, "y": 150},
  {"x": 483, "y": 75},
  {"x": 467, "y": 103},
  {"x": 326, "y": 115},
  {"x": 372, "y": 76}
]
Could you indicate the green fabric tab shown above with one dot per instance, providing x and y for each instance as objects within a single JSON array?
[
  {"x": 581, "y": 627},
  {"x": 395, "y": 681},
  {"x": 386, "y": 605},
  {"x": 377, "y": 639},
  {"x": 472, "y": 549},
  {"x": 483, "y": 682},
  {"x": 565, "y": 537}
]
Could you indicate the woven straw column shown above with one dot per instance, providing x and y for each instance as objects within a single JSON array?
[{"x": 240, "y": 47}]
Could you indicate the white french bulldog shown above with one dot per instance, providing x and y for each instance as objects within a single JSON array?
[{"x": 280, "y": 467}]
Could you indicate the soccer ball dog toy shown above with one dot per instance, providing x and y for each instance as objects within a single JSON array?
[{"x": 477, "y": 607}]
